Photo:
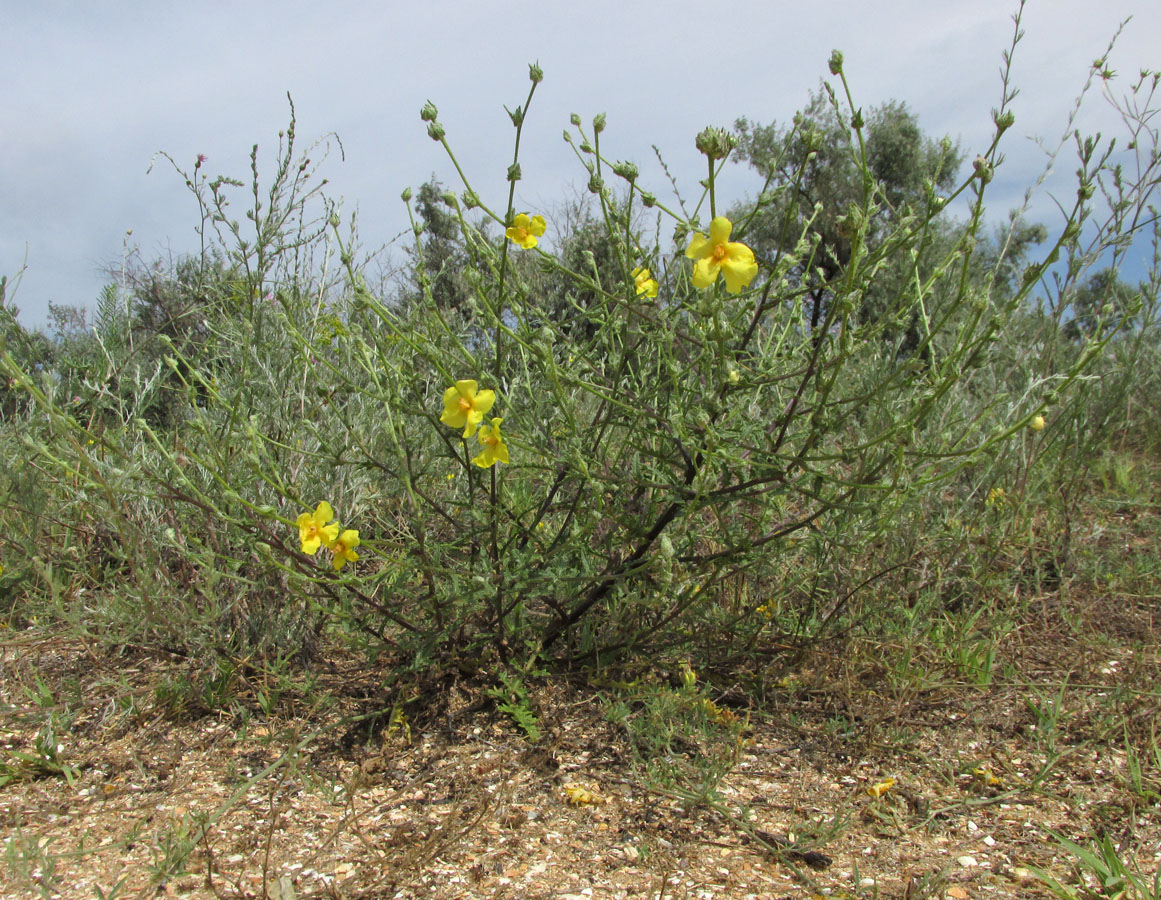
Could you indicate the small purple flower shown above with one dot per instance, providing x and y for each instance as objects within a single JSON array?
[{"x": 201, "y": 159}]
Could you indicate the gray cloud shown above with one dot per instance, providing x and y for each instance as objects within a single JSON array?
[{"x": 92, "y": 91}]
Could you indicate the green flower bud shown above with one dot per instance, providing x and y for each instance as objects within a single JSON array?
[
  {"x": 586, "y": 147},
  {"x": 648, "y": 200},
  {"x": 449, "y": 197},
  {"x": 567, "y": 136},
  {"x": 535, "y": 73},
  {"x": 1005, "y": 121},
  {"x": 857, "y": 119},
  {"x": 835, "y": 64},
  {"x": 983, "y": 169},
  {"x": 1085, "y": 191},
  {"x": 575, "y": 120},
  {"x": 514, "y": 172},
  {"x": 435, "y": 131},
  {"x": 471, "y": 199},
  {"x": 599, "y": 123},
  {"x": 516, "y": 115},
  {"x": 716, "y": 143},
  {"x": 596, "y": 183},
  {"x": 429, "y": 112},
  {"x": 626, "y": 170},
  {"x": 406, "y": 195}
]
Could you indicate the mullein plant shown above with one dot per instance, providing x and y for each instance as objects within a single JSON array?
[{"x": 688, "y": 423}]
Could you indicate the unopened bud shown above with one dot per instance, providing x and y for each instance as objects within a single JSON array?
[
  {"x": 535, "y": 73},
  {"x": 983, "y": 169},
  {"x": 648, "y": 200},
  {"x": 596, "y": 183},
  {"x": 514, "y": 172},
  {"x": 516, "y": 115},
  {"x": 435, "y": 131},
  {"x": 626, "y": 170},
  {"x": 575, "y": 120},
  {"x": 835, "y": 64},
  {"x": 599, "y": 123},
  {"x": 716, "y": 143},
  {"x": 428, "y": 112},
  {"x": 1005, "y": 121},
  {"x": 471, "y": 199},
  {"x": 406, "y": 195}
]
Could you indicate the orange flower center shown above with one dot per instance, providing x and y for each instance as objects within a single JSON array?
[
  {"x": 491, "y": 440},
  {"x": 720, "y": 253},
  {"x": 465, "y": 405}
]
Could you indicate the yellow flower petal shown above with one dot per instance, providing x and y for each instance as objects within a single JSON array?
[
  {"x": 699, "y": 247},
  {"x": 739, "y": 267},
  {"x": 705, "y": 273},
  {"x": 720, "y": 229}
]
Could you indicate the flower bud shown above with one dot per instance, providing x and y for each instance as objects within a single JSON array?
[
  {"x": 596, "y": 183},
  {"x": 626, "y": 170},
  {"x": 1085, "y": 191},
  {"x": 586, "y": 147},
  {"x": 449, "y": 197},
  {"x": 471, "y": 199},
  {"x": 516, "y": 115},
  {"x": 983, "y": 169},
  {"x": 857, "y": 119},
  {"x": 835, "y": 64},
  {"x": 1005, "y": 121},
  {"x": 535, "y": 73},
  {"x": 1037, "y": 423},
  {"x": 575, "y": 120},
  {"x": 406, "y": 195},
  {"x": 429, "y": 112},
  {"x": 648, "y": 200},
  {"x": 599, "y": 123},
  {"x": 716, "y": 143},
  {"x": 514, "y": 172},
  {"x": 435, "y": 131}
]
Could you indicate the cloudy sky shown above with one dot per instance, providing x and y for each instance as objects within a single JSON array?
[{"x": 90, "y": 92}]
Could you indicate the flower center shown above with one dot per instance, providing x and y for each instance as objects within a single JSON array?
[
  {"x": 720, "y": 253},
  {"x": 465, "y": 405},
  {"x": 491, "y": 440}
]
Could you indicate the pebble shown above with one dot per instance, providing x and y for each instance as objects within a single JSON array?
[{"x": 967, "y": 861}]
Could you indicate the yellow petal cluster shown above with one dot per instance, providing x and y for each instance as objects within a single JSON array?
[
  {"x": 317, "y": 529},
  {"x": 464, "y": 406},
  {"x": 524, "y": 230},
  {"x": 646, "y": 283},
  {"x": 718, "y": 254},
  {"x": 313, "y": 530},
  {"x": 344, "y": 548},
  {"x": 495, "y": 450}
]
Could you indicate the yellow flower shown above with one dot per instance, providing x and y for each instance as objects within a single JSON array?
[
  {"x": 878, "y": 789},
  {"x": 524, "y": 230},
  {"x": 1037, "y": 423},
  {"x": 314, "y": 531},
  {"x": 718, "y": 254},
  {"x": 646, "y": 283},
  {"x": 464, "y": 406},
  {"x": 997, "y": 496},
  {"x": 344, "y": 548},
  {"x": 495, "y": 450}
]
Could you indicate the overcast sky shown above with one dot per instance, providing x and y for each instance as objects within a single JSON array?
[{"x": 89, "y": 92}]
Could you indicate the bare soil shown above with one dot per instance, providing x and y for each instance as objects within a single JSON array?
[{"x": 455, "y": 802}]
